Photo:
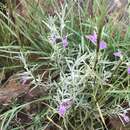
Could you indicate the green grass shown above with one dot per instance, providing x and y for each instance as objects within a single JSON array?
[{"x": 97, "y": 82}]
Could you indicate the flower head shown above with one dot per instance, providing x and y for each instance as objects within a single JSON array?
[
  {"x": 64, "y": 106},
  {"x": 125, "y": 117},
  {"x": 24, "y": 77},
  {"x": 62, "y": 110},
  {"x": 128, "y": 70},
  {"x": 93, "y": 39},
  {"x": 103, "y": 45},
  {"x": 118, "y": 54},
  {"x": 64, "y": 41}
]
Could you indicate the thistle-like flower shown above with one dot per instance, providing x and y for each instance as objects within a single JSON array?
[
  {"x": 125, "y": 117},
  {"x": 128, "y": 70},
  {"x": 118, "y": 54},
  {"x": 64, "y": 106},
  {"x": 65, "y": 41},
  {"x": 24, "y": 77}
]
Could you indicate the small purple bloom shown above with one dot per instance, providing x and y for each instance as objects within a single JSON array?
[
  {"x": 93, "y": 39},
  {"x": 24, "y": 77},
  {"x": 125, "y": 117},
  {"x": 64, "y": 41},
  {"x": 64, "y": 106},
  {"x": 103, "y": 45},
  {"x": 128, "y": 70},
  {"x": 62, "y": 110},
  {"x": 23, "y": 80},
  {"x": 118, "y": 54}
]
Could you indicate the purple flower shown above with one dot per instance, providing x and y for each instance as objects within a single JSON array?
[
  {"x": 62, "y": 110},
  {"x": 64, "y": 106},
  {"x": 64, "y": 41},
  {"x": 118, "y": 54},
  {"x": 24, "y": 77},
  {"x": 23, "y": 80},
  {"x": 103, "y": 45},
  {"x": 125, "y": 117},
  {"x": 128, "y": 70},
  {"x": 93, "y": 39}
]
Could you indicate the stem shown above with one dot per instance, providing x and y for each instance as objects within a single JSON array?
[
  {"x": 98, "y": 41},
  {"x": 100, "y": 113},
  {"x": 100, "y": 27},
  {"x": 10, "y": 9},
  {"x": 90, "y": 8}
]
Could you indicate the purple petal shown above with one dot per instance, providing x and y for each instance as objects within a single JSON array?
[
  {"x": 125, "y": 117},
  {"x": 64, "y": 41},
  {"x": 92, "y": 38},
  {"x": 64, "y": 106},
  {"x": 62, "y": 110},
  {"x": 118, "y": 54},
  {"x": 24, "y": 82},
  {"x": 24, "y": 79},
  {"x": 103, "y": 45},
  {"x": 128, "y": 70},
  {"x": 67, "y": 103}
]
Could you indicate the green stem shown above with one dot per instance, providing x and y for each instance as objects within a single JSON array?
[
  {"x": 100, "y": 27},
  {"x": 98, "y": 42}
]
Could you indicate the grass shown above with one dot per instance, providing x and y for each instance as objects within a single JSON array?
[{"x": 94, "y": 79}]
